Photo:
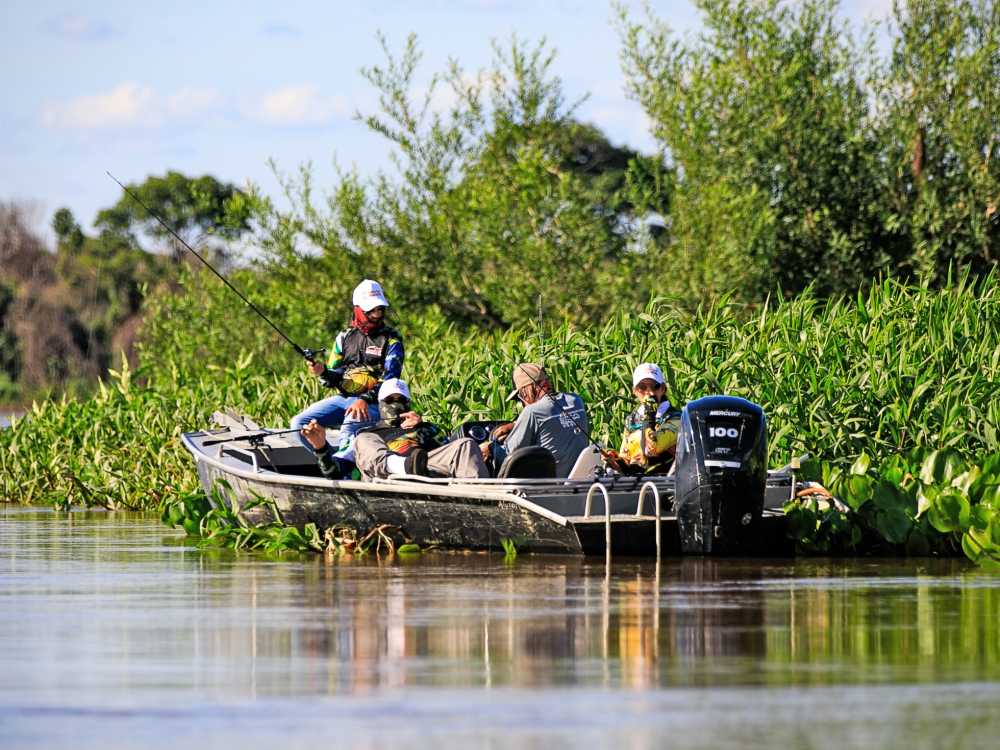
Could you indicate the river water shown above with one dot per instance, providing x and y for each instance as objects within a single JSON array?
[{"x": 115, "y": 632}]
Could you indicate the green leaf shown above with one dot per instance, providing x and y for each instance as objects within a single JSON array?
[
  {"x": 979, "y": 517},
  {"x": 887, "y": 495},
  {"x": 964, "y": 481},
  {"x": 991, "y": 497},
  {"x": 811, "y": 470},
  {"x": 925, "y": 496},
  {"x": 408, "y": 549},
  {"x": 859, "y": 491},
  {"x": 942, "y": 466},
  {"x": 861, "y": 465},
  {"x": 894, "y": 525},
  {"x": 949, "y": 512}
]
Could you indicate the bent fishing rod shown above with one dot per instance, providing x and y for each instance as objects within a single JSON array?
[{"x": 310, "y": 355}]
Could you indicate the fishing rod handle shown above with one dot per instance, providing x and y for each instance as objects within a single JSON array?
[{"x": 311, "y": 354}]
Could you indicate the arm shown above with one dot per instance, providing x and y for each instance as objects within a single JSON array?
[
  {"x": 392, "y": 367},
  {"x": 522, "y": 435},
  {"x": 332, "y": 375}
]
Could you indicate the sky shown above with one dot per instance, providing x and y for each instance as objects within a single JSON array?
[{"x": 221, "y": 87}]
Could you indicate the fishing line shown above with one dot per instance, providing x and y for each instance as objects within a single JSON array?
[{"x": 309, "y": 354}]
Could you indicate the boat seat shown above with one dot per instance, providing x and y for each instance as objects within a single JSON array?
[
  {"x": 532, "y": 462},
  {"x": 589, "y": 458}
]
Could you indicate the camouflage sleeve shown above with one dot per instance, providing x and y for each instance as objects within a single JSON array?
[{"x": 334, "y": 373}]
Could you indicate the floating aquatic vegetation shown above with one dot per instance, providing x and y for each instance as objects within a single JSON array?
[{"x": 925, "y": 502}]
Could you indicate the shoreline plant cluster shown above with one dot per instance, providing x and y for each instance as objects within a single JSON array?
[{"x": 899, "y": 369}]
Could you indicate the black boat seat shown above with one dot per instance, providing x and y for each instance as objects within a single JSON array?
[{"x": 532, "y": 462}]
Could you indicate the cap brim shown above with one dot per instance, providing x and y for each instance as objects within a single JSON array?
[
  {"x": 370, "y": 305},
  {"x": 512, "y": 396}
]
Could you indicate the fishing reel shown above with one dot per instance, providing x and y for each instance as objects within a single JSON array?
[{"x": 311, "y": 355}]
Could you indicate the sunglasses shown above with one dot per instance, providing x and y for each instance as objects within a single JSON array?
[
  {"x": 376, "y": 310},
  {"x": 642, "y": 387},
  {"x": 395, "y": 399}
]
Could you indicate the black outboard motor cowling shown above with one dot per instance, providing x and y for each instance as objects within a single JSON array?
[{"x": 720, "y": 474}]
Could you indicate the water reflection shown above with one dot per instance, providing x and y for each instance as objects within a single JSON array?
[{"x": 116, "y": 602}]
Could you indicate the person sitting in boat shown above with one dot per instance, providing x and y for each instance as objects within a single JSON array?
[
  {"x": 364, "y": 356},
  {"x": 556, "y": 421},
  {"x": 649, "y": 442},
  {"x": 401, "y": 442}
]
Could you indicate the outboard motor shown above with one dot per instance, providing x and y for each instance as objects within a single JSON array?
[{"x": 719, "y": 476}]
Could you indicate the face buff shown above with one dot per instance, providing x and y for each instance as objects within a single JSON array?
[
  {"x": 392, "y": 412},
  {"x": 361, "y": 322}
]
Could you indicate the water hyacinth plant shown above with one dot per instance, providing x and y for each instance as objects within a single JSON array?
[{"x": 896, "y": 369}]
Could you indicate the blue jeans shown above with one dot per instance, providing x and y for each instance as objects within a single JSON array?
[{"x": 330, "y": 412}]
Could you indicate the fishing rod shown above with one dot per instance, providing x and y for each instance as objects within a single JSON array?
[{"x": 309, "y": 354}]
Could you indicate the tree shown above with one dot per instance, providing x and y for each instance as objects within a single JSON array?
[
  {"x": 499, "y": 199},
  {"x": 196, "y": 208},
  {"x": 765, "y": 116},
  {"x": 943, "y": 106}
]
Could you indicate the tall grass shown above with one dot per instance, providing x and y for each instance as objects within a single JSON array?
[{"x": 897, "y": 368}]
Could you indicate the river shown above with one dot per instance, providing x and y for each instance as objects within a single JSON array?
[
  {"x": 116, "y": 632},
  {"x": 6, "y": 417}
]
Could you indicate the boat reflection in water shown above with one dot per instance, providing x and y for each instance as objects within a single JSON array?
[
  {"x": 474, "y": 620},
  {"x": 115, "y": 632}
]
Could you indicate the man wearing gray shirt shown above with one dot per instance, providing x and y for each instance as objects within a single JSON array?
[{"x": 555, "y": 421}]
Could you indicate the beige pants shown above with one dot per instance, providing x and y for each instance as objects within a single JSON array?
[{"x": 459, "y": 458}]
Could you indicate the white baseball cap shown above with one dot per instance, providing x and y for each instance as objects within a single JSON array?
[
  {"x": 647, "y": 370},
  {"x": 393, "y": 386},
  {"x": 368, "y": 295}
]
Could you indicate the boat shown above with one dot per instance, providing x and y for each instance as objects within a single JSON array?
[{"x": 718, "y": 500}]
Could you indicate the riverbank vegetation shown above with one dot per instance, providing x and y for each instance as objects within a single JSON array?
[{"x": 817, "y": 235}]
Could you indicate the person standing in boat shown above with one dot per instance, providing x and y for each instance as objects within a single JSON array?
[
  {"x": 364, "y": 356},
  {"x": 555, "y": 421},
  {"x": 649, "y": 442},
  {"x": 401, "y": 443}
]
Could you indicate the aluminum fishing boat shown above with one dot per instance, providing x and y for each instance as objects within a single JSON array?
[{"x": 720, "y": 499}]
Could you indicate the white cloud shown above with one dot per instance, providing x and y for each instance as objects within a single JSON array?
[
  {"x": 79, "y": 27},
  {"x": 297, "y": 105},
  {"x": 129, "y": 105}
]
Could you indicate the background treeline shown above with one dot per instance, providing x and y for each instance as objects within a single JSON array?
[{"x": 797, "y": 151}]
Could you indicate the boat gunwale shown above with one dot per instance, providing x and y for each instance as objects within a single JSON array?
[{"x": 270, "y": 477}]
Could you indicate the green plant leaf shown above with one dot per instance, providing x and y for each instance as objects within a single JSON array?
[
  {"x": 408, "y": 549},
  {"x": 925, "y": 496},
  {"x": 949, "y": 512},
  {"x": 861, "y": 465},
  {"x": 887, "y": 495},
  {"x": 811, "y": 470},
  {"x": 894, "y": 525}
]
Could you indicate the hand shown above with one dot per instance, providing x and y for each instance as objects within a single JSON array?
[
  {"x": 410, "y": 419},
  {"x": 358, "y": 411},
  {"x": 484, "y": 448},
  {"x": 502, "y": 431},
  {"x": 315, "y": 433},
  {"x": 316, "y": 368}
]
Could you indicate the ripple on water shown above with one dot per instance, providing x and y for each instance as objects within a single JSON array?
[{"x": 115, "y": 630}]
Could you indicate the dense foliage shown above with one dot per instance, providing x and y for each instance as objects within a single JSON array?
[
  {"x": 804, "y": 157},
  {"x": 897, "y": 369},
  {"x": 797, "y": 165}
]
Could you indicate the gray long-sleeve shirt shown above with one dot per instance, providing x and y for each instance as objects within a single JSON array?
[{"x": 544, "y": 423}]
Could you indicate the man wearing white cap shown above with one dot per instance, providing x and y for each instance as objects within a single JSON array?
[
  {"x": 400, "y": 443},
  {"x": 650, "y": 438},
  {"x": 364, "y": 356}
]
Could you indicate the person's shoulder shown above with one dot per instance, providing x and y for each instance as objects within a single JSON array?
[{"x": 392, "y": 333}]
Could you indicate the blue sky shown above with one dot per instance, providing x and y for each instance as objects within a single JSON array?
[{"x": 220, "y": 87}]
